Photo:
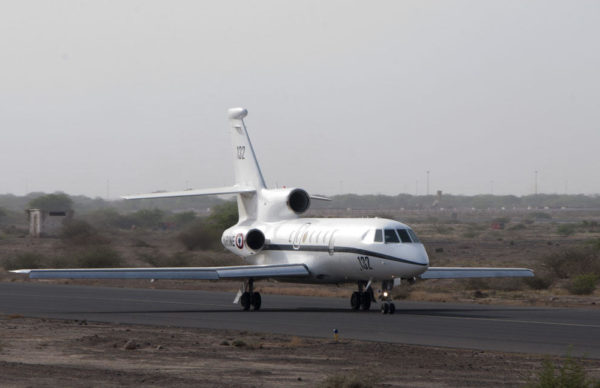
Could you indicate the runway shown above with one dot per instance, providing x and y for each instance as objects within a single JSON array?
[{"x": 483, "y": 327}]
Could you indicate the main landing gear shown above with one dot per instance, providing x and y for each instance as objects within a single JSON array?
[
  {"x": 249, "y": 297},
  {"x": 362, "y": 298}
]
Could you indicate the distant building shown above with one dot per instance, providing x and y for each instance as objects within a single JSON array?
[{"x": 46, "y": 223}]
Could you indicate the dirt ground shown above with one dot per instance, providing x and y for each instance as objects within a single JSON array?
[
  {"x": 44, "y": 353},
  {"x": 41, "y": 352}
]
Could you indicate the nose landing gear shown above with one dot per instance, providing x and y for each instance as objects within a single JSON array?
[{"x": 387, "y": 305}]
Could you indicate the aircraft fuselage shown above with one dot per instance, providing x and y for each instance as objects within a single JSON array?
[{"x": 334, "y": 250}]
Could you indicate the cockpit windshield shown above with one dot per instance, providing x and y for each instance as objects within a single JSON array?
[
  {"x": 391, "y": 236},
  {"x": 413, "y": 236},
  {"x": 394, "y": 236},
  {"x": 404, "y": 235}
]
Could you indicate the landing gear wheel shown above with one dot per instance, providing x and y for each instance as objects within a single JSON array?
[
  {"x": 392, "y": 308},
  {"x": 256, "y": 301},
  {"x": 245, "y": 301},
  {"x": 385, "y": 308},
  {"x": 355, "y": 300},
  {"x": 365, "y": 301}
]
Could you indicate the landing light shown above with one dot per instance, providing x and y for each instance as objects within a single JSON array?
[{"x": 385, "y": 294}]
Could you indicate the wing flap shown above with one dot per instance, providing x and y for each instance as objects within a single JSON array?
[
  {"x": 190, "y": 273},
  {"x": 192, "y": 193},
  {"x": 263, "y": 271},
  {"x": 475, "y": 272}
]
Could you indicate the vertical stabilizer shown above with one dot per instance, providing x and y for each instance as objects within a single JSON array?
[{"x": 246, "y": 168}]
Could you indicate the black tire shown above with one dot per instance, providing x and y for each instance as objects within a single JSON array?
[
  {"x": 355, "y": 300},
  {"x": 365, "y": 301},
  {"x": 384, "y": 308},
  {"x": 392, "y": 308},
  {"x": 245, "y": 301},
  {"x": 256, "y": 301}
]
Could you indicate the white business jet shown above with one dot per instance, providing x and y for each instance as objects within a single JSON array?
[{"x": 277, "y": 244}]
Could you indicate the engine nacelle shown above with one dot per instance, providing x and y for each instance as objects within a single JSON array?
[
  {"x": 243, "y": 241},
  {"x": 283, "y": 203}
]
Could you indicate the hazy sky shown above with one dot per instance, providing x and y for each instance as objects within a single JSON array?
[{"x": 344, "y": 96}]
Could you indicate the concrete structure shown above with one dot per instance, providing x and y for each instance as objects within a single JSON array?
[{"x": 46, "y": 223}]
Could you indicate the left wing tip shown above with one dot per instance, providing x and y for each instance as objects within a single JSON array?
[{"x": 25, "y": 271}]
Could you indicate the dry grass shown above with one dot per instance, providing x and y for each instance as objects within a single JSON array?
[{"x": 465, "y": 240}]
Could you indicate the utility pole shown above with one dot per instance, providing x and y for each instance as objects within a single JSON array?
[
  {"x": 535, "y": 182},
  {"x": 427, "y": 182}
]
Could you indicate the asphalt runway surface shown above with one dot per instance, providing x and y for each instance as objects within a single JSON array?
[{"x": 555, "y": 331}]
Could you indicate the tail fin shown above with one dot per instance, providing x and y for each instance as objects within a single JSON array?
[
  {"x": 248, "y": 178},
  {"x": 247, "y": 170}
]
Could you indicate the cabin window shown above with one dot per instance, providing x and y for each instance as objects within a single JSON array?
[
  {"x": 378, "y": 235},
  {"x": 391, "y": 236},
  {"x": 413, "y": 236},
  {"x": 404, "y": 236}
]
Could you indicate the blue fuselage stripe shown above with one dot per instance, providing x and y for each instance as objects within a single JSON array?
[{"x": 322, "y": 248}]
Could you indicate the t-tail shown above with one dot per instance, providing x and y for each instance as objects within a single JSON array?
[
  {"x": 249, "y": 182},
  {"x": 250, "y": 187},
  {"x": 246, "y": 168}
]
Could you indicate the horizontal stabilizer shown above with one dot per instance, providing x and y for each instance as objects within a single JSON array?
[
  {"x": 320, "y": 197},
  {"x": 195, "y": 273},
  {"x": 191, "y": 193},
  {"x": 474, "y": 272}
]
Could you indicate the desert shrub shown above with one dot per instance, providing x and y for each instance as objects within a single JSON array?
[
  {"x": 52, "y": 202},
  {"x": 566, "y": 229},
  {"x": 506, "y": 284},
  {"x": 147, "y": 218},
  {"x": 443, "y": 229},
  {"x": 570, "y": 374},
  {"x": 200, "y": 235},
  {"x": 402, "y": 292},
  {"x": 573, "y": 262},
  {"x": 99, "y": 257},
  {"x": 501, "y": 220},
  {"x": 583, "y": 284},
  {"x": 178, "y": 259},
  {"x": 590, "y": 226},
  {"x": 470, "y": 234},
  {"x": 183, "y": 218},
  {"x": 476, "y": 284},
  {"x": 206, "y": 233},
  {"x": 345, "y": 381},
  {"x": 27, "y": 260},
  {"x": 224, "y": 216},
  {"x": 541, "y": 281},
  {"x": 516, "y": 227},
  {"x": 80, "y": 232},
  {"x": 239, "y": 343},
  {"x": 594, "y": 245},
  {"x": 110, "y": 218}
]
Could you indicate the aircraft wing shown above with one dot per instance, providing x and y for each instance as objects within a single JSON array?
[
  {"x": 196, "y": 273},
  {"x": 475, "y": 272},
  {"x": 192, "y": 193}
]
